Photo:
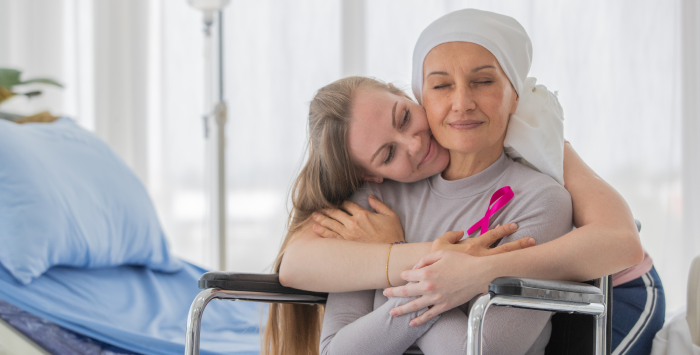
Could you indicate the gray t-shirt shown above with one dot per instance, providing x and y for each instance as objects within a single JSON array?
[{"x": 359, "y": 322}]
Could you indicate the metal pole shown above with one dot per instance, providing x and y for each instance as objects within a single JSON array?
[
  {"x": 221, "y": 117},
  {"x": 216, "y": 109}
]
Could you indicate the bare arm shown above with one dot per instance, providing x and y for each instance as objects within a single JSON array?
[
  {"x": 605, "y": 242},
  {"x": 314, "y": 263},
  {"x": 333, "y": 264}
]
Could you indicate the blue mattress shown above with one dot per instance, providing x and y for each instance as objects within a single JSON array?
[
  {"x": 125, "y": 310},
  {"x": 54, "y": 339}
]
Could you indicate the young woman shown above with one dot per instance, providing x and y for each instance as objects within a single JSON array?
[{"x": 605, "y": 242}]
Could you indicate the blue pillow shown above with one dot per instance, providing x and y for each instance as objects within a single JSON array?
[{"x": 66, "y": 198}]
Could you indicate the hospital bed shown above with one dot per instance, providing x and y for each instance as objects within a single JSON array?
[
  {"x": 67, "y": 199},
  {"x": 122, "y": 310}
]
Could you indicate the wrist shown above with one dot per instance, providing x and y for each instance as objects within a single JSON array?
[
  {"x": 497, "y": 266},
  {"x": 404, "y": 257}
]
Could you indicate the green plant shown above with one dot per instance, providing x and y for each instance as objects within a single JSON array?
[{"x": 10, "y": 78}]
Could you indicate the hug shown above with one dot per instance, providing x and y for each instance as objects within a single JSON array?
[{"x": 405, "y": 211}]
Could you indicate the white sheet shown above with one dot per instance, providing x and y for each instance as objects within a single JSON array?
[{"x": 674, "y": 339}]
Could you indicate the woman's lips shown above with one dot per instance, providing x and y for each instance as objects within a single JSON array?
[
  {"x": 429, "y": 154},
  {"x": 465, "y": 125}
]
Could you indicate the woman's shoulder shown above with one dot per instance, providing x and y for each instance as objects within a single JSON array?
[
  {"x": 531, "y": 177},
  {"x": 389, "y": 191},
  {"x": 541, "y": 207},
  {"x": 535, "y": 184}
]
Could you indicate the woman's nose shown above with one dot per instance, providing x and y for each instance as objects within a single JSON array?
[
  {"x": 414, "y": 144},
  {"x": 462, "y": 100}
]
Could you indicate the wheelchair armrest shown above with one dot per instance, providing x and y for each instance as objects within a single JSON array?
[
  {"x": 546, "y": 290},
  {"x": 252, "y": 283}
]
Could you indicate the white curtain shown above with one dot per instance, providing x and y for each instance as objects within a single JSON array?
[{"x": 626, "y": 72}]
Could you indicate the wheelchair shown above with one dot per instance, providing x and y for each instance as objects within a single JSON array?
[{"x": 581, "y": 325}]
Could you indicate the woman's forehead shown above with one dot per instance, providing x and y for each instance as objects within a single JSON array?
[
  {"x": 368, "y": 103},
  {"x": 463, "y": 53}
]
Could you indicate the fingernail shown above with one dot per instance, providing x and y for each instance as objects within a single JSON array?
[
  {"x": 393, "y": 313},
  {"x": 513, "y": 226},
  {"x": 414, "y": 267},
  {"x": 412, "y": 323},
  {"x": 385, "y": 293},
  {"x": 371, "y": 196},
  {"x": 531, "y": 241}
]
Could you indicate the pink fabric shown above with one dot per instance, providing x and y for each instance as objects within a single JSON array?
[
  {"x": 633, "y": 272},
  {"x": 499, "y": 199}
]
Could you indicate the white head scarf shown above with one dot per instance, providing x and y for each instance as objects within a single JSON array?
[{"x": 535, "y": 134}]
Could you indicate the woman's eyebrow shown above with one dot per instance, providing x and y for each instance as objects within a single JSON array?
[
  {"x": 482, "y": 67},
  {"x": 378, "y": 151},
  {"x": 437, "y": 73}
]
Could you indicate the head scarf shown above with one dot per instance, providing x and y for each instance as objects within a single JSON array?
[{"x": 535, "y": 134}]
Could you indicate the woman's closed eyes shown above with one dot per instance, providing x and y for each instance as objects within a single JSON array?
[
  {"x": 406, "y": 119},
  {"x": 392, "y": 148}
]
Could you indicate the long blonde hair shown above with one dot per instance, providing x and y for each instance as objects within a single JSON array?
[{"x": 328, "y": 178}]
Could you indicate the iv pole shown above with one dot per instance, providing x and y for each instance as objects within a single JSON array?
[{"x": 216, "y": 108}]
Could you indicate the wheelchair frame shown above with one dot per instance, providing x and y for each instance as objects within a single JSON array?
[{"x": 562, "y": 297}]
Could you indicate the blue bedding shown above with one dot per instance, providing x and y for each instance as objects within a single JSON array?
[
  {"x": 54, "y": 339},
  {"x": 135, "y": 308}
]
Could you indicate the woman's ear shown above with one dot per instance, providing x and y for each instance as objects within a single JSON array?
[
  {"x": 372, "y": 178},
  {"x": 514, "y": 105}
]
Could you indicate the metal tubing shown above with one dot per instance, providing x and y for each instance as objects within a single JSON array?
[
  {"x": 221, "y": 114},
  {"x": 475, "y": 324},
  {"x": 593, "y": 309},
  {"x": 601, "y": 321},
  {"x": 221, "y": 118},
  {"x": 194, "y": 320}
]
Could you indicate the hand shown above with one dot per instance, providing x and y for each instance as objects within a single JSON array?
[
  {"x": 359, "y": 224},
  {"x": 446, "y": 280},
  {"x": 481, "y": 245}
]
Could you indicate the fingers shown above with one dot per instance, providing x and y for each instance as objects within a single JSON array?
[
  {"x": 512, "y": 246},
  {"x": 336, "y": 214},
  {"x": 497, "y": 233},
  {"x": 379, "y": 206},
  {"x": 427, "y": 315},
  {"x": 413, "y": 306},
  {"x": 424, "y": 261},
  {"x": 325, "y": 232},
  {"x": 403, "y": 291},
  {"x": 352, "y": 208},
  {"x": 451, "y": 237},
  {"x": 328, "y": 223}
]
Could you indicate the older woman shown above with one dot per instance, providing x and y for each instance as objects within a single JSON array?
[{"x": 472, "y": 123}]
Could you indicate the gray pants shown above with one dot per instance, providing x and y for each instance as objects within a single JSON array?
[{"x": 359, "y": 323}]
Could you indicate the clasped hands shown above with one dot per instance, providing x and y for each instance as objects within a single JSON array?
[{"x": 449, "y": 276}]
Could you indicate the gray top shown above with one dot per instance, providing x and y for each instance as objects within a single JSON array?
[{"x": 359, "y": 322}]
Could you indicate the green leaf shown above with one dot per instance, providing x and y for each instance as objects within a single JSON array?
[
  {"x": 9, "y": 77},
  {"x": 32, "y": 93},
  {"x": 42, "y": 81}
]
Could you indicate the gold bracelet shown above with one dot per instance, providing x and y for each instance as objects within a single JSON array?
[{"x": 387, "y": 265}]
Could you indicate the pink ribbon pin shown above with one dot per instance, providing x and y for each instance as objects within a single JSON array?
[{"x": 499, "y": 199}]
